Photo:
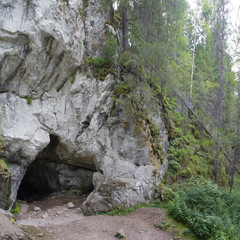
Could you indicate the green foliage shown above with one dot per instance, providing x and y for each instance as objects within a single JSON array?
[
  {"x": 167, "y": 192},
  {"x": 122, "y": 89},
  {"x": 120, "y": 236},
  {"x": 210, "y": 213},
  {"x": 138, "y": 94},
  {"x": 174, "y": 166},
  {"x": 191, "y": 152},
  {"x": 16, "y": 209},
  {"x": 3, "y": 164},
  {"x": 12, "y": 220},
  {"x": 102, "y": 65},
  {"x": 82, "y": 11},
  {"x": 128, "y": 63},
  {"x": 29, "y": 100},
  {"x": 122, "y": 211},
  {"x": 164, "y": 226},
  {"x": 178, "y": 229},
  {"x": 109, "y": 49},
  {"x": 73, "y": 78},
  {"x": 3, "y": 167}
]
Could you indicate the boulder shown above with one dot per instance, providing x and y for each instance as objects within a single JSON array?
[{"x": 110, "y": 193}]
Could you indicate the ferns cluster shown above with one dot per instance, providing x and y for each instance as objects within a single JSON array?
[{"x": 209, "y": 213}]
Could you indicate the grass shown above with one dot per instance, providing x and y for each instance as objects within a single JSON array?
[
  {"x": 179, "y": 230},
  {"x": 121, "y": 211}
]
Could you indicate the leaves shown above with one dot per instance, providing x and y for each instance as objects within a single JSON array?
[{"x": 209, "y": 212}]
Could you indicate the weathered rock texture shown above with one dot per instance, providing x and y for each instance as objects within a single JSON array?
[
  {"x": 68, "y": 123},
  {"x": 8, "y": 230},
  {"x": 112, "y": 192}
]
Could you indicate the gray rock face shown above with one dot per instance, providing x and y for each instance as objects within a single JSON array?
[
  {"x": 69, "y": 125},
  {"x": 112, "y": 192},
  {"x": 8, "y": 230},
  {"x": 38, "y": 39}
]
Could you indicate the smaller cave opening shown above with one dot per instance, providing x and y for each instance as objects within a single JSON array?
[{"x": 47, "y": 175}]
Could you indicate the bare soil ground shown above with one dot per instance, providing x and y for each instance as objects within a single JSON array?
[{"x": 56, "y": 221}]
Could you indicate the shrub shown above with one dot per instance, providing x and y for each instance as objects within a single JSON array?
[{"x": 210, "y": 213}]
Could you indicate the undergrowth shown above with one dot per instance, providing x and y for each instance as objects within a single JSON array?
[
  {"x": 169, "y": 224},
  {"x": 208, "y": 212},
  {"x": 198, "y": 209},
  {"x": 122, "y": 211},
  {"x": 191, "y": 153},
  {"x": 102, "y": 65}
]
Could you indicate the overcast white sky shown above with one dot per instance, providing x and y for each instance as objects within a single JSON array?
[
  {"x": 233, "y": 7},
  {"x": 234, "y": 20},
  {"x": 235, "y": 4}
]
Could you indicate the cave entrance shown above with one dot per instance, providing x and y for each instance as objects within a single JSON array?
[{"x": 48, "y": 174}]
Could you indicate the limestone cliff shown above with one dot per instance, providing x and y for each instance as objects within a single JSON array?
[{"x": 58, "y": 123}]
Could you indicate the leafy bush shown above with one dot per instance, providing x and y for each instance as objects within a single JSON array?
[{"x": 210, "y": 213}]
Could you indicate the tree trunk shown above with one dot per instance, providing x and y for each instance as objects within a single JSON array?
[{"x": 125, "y": 28}]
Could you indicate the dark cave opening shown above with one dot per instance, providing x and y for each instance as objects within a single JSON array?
[
  {"x": 39, "y": 181},
  {"x": 48, "y": 174}
]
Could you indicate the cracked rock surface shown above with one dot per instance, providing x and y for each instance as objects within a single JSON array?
[{"x": 65, "y": 124}]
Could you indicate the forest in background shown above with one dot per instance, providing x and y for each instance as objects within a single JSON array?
[
  {"x": 184, "y": 55},
  {"x": 185, "y": 59}
]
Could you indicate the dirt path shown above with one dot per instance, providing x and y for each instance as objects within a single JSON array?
[{"x": 55, "y": 220}]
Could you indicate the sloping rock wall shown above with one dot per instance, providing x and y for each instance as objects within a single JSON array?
[
  {"x": 44, "y": 93},
  {"x": 8, "y": 230}
]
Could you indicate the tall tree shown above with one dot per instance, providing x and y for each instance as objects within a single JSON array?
[{"x": 220, "y": 37}]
